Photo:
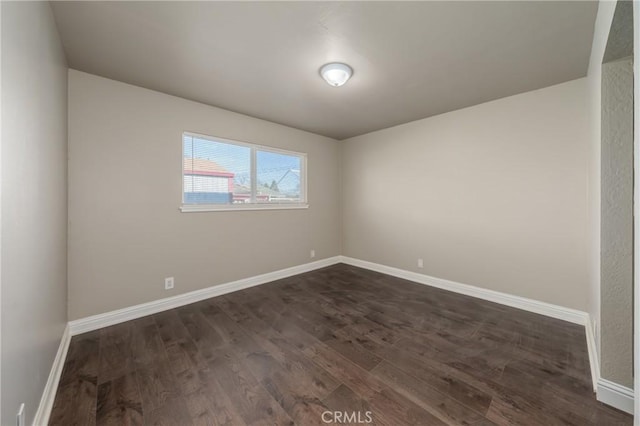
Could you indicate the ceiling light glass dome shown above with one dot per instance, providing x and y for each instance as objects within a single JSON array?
[{"x": 336, "y": 74}]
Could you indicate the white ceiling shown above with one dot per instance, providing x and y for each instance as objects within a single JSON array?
[{"x": 411, "y": 59}]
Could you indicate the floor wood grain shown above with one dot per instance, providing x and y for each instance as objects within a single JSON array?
[{"x": 328, "y": 347}]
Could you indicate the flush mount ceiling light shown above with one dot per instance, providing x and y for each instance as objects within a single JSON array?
[{"x": 336, "y": 74}]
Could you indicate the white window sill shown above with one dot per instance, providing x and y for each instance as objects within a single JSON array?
[{"x": 195, "y": 208}]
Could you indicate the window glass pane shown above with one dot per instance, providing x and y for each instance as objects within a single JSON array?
[
  {"x": 278, "y": 177},
  {"x": 215, "y": 172}
]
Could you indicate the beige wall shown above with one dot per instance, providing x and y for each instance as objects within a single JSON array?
[
  {"x": 126, "y": 233},
  {"x": 34, "y": 203},
  {"x": 494, "y": 195}
]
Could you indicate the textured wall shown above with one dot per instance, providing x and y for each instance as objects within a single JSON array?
[
  {"x": 606, "y": 11},
  {"x": 126, "y": 233},
  {"x": 494, "y": 195},
  {"x": 34, "y": 202},
  {"x": 617, "y": 223}
]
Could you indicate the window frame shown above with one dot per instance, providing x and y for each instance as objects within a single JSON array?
[{"x": 302, "y": 204}]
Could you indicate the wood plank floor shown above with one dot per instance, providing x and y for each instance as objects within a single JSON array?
[{"x": 340, "y": 339}]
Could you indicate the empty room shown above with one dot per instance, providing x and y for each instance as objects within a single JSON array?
[{"x": 319, "y": 213}]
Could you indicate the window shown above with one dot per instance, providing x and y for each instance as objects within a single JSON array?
[{"x": 219, "y": 174}]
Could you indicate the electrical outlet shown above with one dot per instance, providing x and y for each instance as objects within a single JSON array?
[
  {"x": 312, "y": 254},
  {"x": 420, "y": 263},
  {"x": 20, "y": 416},
  {"x": 168, "y": 283}
]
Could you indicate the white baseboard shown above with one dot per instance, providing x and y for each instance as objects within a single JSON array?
[
  {"x": 592, "y": 348},
  {"x": 615, "y": 395},
  {"x": 51, "y": 387},
  {"x": 106, "y": 319},
  {"x": 535, "y": 306}
]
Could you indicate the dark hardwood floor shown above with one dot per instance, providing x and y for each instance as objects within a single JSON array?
[{"x": 340, "y": 339}]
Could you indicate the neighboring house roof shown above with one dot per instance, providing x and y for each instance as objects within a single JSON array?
[
  {"x": 202, "y": 167},
  {"x": 261, "y": 190}
]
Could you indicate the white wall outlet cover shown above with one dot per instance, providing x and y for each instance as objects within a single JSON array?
[
  {"x": 168, "y": 283},
  {"x": 420, "y": 263},
  {"x": 312, "y": 254}
]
